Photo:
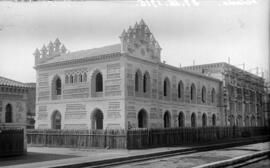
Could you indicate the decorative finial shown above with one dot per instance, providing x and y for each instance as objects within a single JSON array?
[
  {"x": 50, "y": 48},
  {"x": 123, "y": 33},
  {"x": 136, "y": 26},
  {"x": 44, "y": 51},
  {"x": 152, "y": 39},
  {"x": 57, "y": 44},
  {"x": 157, "y": 45},
  {"x": 63, "y": 49},
  {"x": 147, "y": 31},
  {"x": 142, "y": 22},
  {"x": 36, "y": 53},
  {"x": 129, "y": 30}
]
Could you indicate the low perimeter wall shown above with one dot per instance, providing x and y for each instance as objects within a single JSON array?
[
  {"x": 12, "y": 141},
  {"x": 140, "y": 138}
]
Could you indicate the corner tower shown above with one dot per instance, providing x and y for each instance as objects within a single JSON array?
[{"x": 139, "y": 42}]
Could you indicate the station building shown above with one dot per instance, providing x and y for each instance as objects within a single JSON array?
[
  {"x": 13, "y": 108},
  {"x": 121, "y": 86}
]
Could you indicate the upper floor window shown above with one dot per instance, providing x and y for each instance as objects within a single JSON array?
[
  {"x": 166, "y": 87},
  {"x": 58, "y": 86},
  {"x": 136, "y": 82},
  {"x": 192, "y": 92},
  {"x": 66, "y": 79},
  {"x": 80, "y": 78},
  {"x": 180, "y": 89},
  {"x": 99, "y": 82},
  {"x": 8, "y": 114},
  {"x": 213, "y": 95},
  {"x": 203, "y": 94},
  {"x": 75, "y": 78},
  {"x": 71, "y": 79},
  {"x": 138, "y": 76},
  {"x": 146, "y": 82}
]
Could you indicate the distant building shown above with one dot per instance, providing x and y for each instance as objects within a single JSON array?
[
  {"x": 13, "y": 104},
  {"x": 243, "y": 93},
  {"x": 123, "y": 85}
]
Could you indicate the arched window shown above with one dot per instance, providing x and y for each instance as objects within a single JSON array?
[
  {"x": 193, "y": 92},
  {"x": 203, "y": 94},
  {"x": 253, "y": 122},
  {"x": 58, "y": 86},
  {"x": 138, "y": 76},
  {"x": 97, "y": 119},
  {"x": 213, "y": 95},
  {"x": 146, "y": 82},
  {"x": 66, "y": 79},
  {"x": 71, "y": 79},
  {"x": 214, "y": 120},
  {"x": 239, "y": 120},
  {"x": 166, "y": 87},
  {"x": 142, "y": 119},
  {"x": 193, "y": 120},
  {"x": 80, "y": 78},
  {"x": 96, "y": 84},
  {"x": 181, "y": 119},
  {"x": 167, "y": 119},
  {"x": 180, "y": 90},
  {"x": 247, "y": 121},
  {"x": 136, "y": 82},
  {"x": 99, "y": 82},
  {"x": 204, "y": 120},
  {"x": 8, "y": 114},
  {"x": 84, "y": 77},
  {"x": 56, "y": 120}
]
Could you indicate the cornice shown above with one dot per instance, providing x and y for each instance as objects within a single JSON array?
[
  {"x": 175, "y": 69},
  {"x": 172, "y": 68},
  {"x": 129, "y": 57},
  {"x": 85, "y": 60}
]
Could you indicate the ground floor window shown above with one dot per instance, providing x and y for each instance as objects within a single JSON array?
[
  {"x": 56, "y": 120},
  {"x": 204, "y": 120},
  {"x": 97, "y": 119},
  {"x": 8, "y": 114},
  {"x": 142, "y": 119},
  {"x": 167, "y": 120},
  {"x": 193, "y": 120},
  {"x": 214, "y": 120},
  {"x": 181, "y": 119}
]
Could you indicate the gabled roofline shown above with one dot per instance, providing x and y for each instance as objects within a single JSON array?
[{"x": 18, "y": 84}]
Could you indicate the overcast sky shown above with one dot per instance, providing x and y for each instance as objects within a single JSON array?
[{"x": 208, "y": 33}]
